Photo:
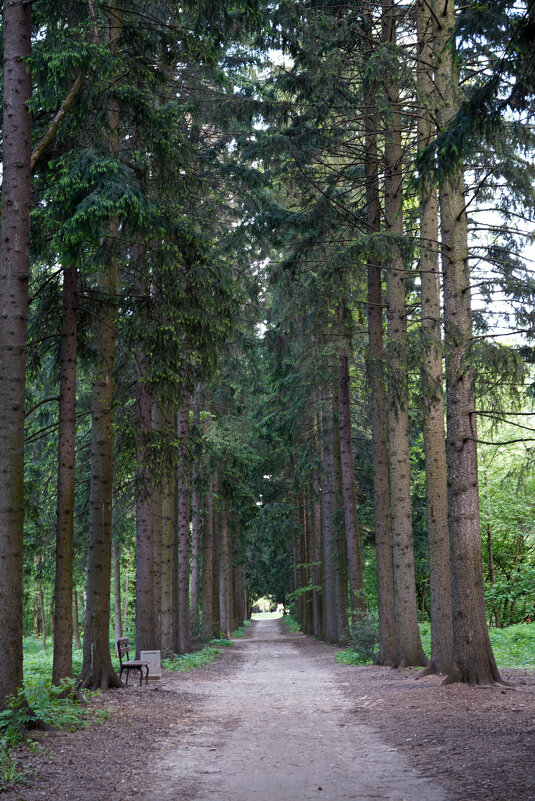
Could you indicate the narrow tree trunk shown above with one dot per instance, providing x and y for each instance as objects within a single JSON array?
[
  {"x": 52, "y": 618},
  {"x": 14, "y": 267},
  {"x": 184, "y": 632},
  {"x": 317, "y": 622},
  {"x": 62, "y": 660},
  {"x": 196, "y": 518},
  {"x": 116, "y": 562},
  {"x": 157, "y": 527},
  {"x": 354, "y": 553},
  {"x": 341, "y": 561},
  {"x": 473, "y": 661},
  {"x": 376, "y": 373},
  {"x": 35, "y": 612},
  {"x": 126, "y": 589},
  {"x": 409, "y": 647},
  {"x": 207, "y": 566},
  {"x": 216, "y": 546},
  {"x": 432, "y": 383},
  {"x": 76, "y": 625},
  {"x": 43, "y": 619},
  {"x": 97, "y": 669},
  {"x": 225, "y": 572},
  {"x": 330, "y": 633},
  {"x": 166, "y": 614}
]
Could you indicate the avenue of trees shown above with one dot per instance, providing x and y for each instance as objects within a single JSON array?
[{"x": 266, "y": 318}]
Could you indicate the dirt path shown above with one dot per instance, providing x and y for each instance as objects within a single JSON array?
[
  {"x": 280, "y": 728},
  {"x": 275, "y": 717}
]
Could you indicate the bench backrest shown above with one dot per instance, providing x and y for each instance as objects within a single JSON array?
[{"x": 123, "y": 648}]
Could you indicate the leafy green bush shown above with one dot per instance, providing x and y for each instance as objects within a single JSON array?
[
  {"x": 190, "y": 661},
  {"x": 221, "y": 642},
  {"x": 291, "y": 623}
]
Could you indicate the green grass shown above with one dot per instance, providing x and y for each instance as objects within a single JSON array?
[
  {"x": 240, "y": 631},
  {"x": 266, "y": 615},
  {"x": 291, "y": 623},
  {"x": 196, "y": 659},
  {"x": 513, "y": 647}
]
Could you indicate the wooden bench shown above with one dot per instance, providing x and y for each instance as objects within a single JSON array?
[{"x": 123, "y": 649}]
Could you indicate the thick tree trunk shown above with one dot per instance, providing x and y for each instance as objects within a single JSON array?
[
  {"x": 116, "y": 562},
  {"x": 183, "y": 521},
  {"x": 207, "y": 566},
  {"x": 62, "y": 660},
  {"x": 432, "y": 382},
  {"x": 14, "y": 267},
  {"x": 376, "y": 373},
  {"x": 97, "y": 669},
  {"x": 473, "y": 661},
  {"x": 354, "y": 553},
  {"x": 196, "y": 518},
  {"x": 409, "y": 647},
  {"x": 330, "y": 632}
]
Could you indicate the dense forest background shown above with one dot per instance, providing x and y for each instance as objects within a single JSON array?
[{"x": 266, "y": 325}]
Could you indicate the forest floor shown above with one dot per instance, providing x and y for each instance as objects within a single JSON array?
[{"x": 275, "y": 718}]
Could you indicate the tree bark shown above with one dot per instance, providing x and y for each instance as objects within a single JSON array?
[
  {"x": 432, "y": 381},
  {"x": 14, "y": 268},
  {"x": 317, "y": 623},
  {"x": 225, "y": 572},
  {"x": 376, "y": 374},
  {"x": 330, "y": 632},
  {"x": 196, "y": 518},
  {"x": 473, "y": 661},
  {"x": 77, "y": 641},
  {"x": 409, "y": 649},
  {"x": 97, "y": 669},
  {"x": 62, "y": 660},
  {"x": 145, "y": 617},
  {"x": 341, "y": 559},
  {"x": 157, "y": 527},
  {"x": 116, "y": 564},
  {"x": 207, "y": 566},
  {"x": 184, "y": 632},
  {"x": 354, "y": 553}
]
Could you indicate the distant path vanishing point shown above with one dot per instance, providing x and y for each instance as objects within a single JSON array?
[{"x": 279, "y": 729}]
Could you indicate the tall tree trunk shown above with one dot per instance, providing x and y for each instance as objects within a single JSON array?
[
  {"x": 62, "y": 660},
  {"x": 196, "y": 517},
  {"x": 329, "y": 567},
  {"x": 207, "y": 566},
  {"x": 145, "y": 619},
  {"x": 126, "y": 589},
  {"x": 409, "y": 647},
  {"x": 354, "y": 554},
  {"x": 97, "y": 669},
  {"x": 473, "y": 661},
  {"x": 42, "y": 613},
  {"x": 35, "y": 612},
  {"x": 14, "y": 268},
  {"x": 342, "y": 599},
  {"x": 225, "y": 571},
  {"x": 317, "y": 622},
  {"x": 168, "y": 517},
  {"x": 376, "y": 373},
  {"x": 76, "y": 624},
  {"x": 157, "y": 524},
  {"x": 216, "y": 539},
  {"x": 432, "y": 383},
  {"x": 184, "y": 632},
  {"x": 116, "y": 562}
]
